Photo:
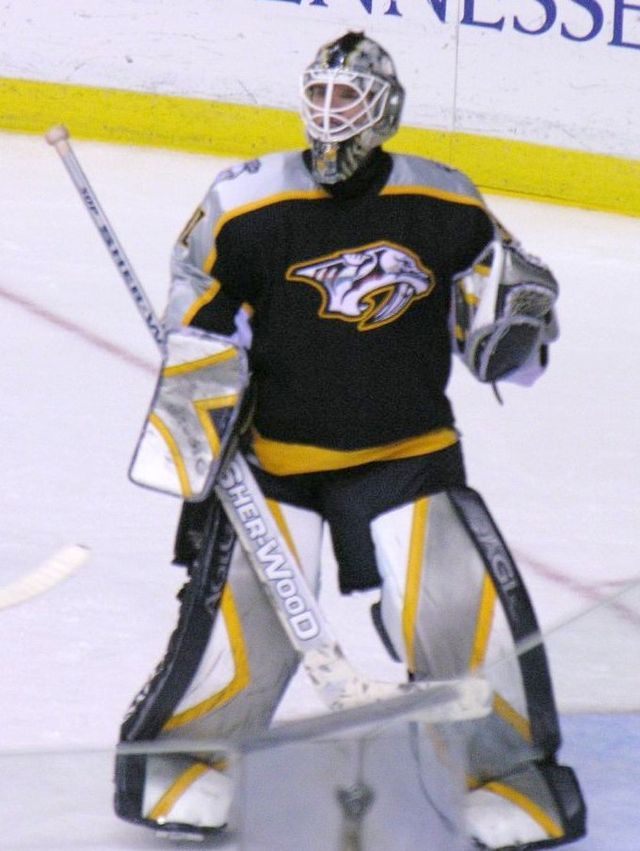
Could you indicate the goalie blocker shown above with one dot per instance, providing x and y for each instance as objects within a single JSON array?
[{"x": 192, "y": 415}]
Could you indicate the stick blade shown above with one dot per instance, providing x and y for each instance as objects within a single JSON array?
[{"x": 64, "y": 563}]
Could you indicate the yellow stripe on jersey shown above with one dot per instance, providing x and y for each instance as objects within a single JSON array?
[
  {"x": 240, "y": 210},
  {"x": 287, "y": 459},
  {"x": 200, "y": 302},
  {"x": 257, "y": 204},
  {"x": 433, "y": 192}
]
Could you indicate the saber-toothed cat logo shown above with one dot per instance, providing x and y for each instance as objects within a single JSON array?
[{"x": 371, "y": 285}]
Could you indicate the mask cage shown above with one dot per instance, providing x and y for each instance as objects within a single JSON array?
[{"x": 341, "y": 104}]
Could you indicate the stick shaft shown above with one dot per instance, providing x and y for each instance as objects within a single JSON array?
[{"x": 111, "y": 241}]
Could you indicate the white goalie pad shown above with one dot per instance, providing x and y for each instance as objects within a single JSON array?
[{"x": 192, "y": 415}]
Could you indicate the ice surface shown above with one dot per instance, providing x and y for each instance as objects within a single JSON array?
[{"x": 558, "y": 466}]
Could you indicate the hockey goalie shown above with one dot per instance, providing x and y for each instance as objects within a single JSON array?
[{"x": 317, "y": 298}]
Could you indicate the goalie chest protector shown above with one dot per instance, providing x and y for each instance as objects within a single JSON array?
[{"x": 349, "y": 292}]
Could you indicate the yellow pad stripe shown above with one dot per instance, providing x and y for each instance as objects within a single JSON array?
[
  {"x": 512, "y": 717},
  {"x": 553, "y": 829},
  {"x": 176, "y": 455},
  {"x": 201, "y": 363},
  {"x": 203, "y": 406},
  {"x": 242, "y": 675},
  {"x": 483, "y": 624},
  {"x": 177, "y": 789},
  {"x": 414, "y": 576}
]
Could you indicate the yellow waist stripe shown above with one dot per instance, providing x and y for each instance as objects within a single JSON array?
[{"x": 287, "y": 459}]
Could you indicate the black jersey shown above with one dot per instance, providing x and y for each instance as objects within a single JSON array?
[{"x": 349, "y": 295}]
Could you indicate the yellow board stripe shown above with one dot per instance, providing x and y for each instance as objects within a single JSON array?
[
  {"x": 540, "y": 172},
  {"x": 176, "y": 455},
  {"x": 166, "y": 802},
  {"x": 483, "y": 624},
  {"x": 285, "y": 459},
  {"x": 201, "y": 363},
  {"x": 141, "y": 118},
  {"x": 414, "y": 576},
  {"x": 242, "y": 675},
  {"x": 553, "y": 829}
]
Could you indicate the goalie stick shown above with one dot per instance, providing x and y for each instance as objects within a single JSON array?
[{"x": 337, "y": 682}]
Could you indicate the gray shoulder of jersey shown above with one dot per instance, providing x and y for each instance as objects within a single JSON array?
[
  {"x": 420, "y": 172},
  {"x": 260, "y": 180}
]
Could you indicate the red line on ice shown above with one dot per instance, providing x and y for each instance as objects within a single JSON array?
[
  {"x": 73, "y": 328},
  {"x": 588, "y": 592}
]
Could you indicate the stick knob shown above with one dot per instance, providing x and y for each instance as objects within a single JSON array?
[{"x": 57, "y": 134}]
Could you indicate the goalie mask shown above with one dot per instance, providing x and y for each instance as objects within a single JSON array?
[{"x": 351, "y": 103}]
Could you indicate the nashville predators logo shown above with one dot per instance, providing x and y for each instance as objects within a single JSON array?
[{"x": 371, "y": 285}]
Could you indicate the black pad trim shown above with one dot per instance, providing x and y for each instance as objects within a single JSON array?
[
  {"x": 155, "y": 703},
  {"x": 519, "y": 612}
]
